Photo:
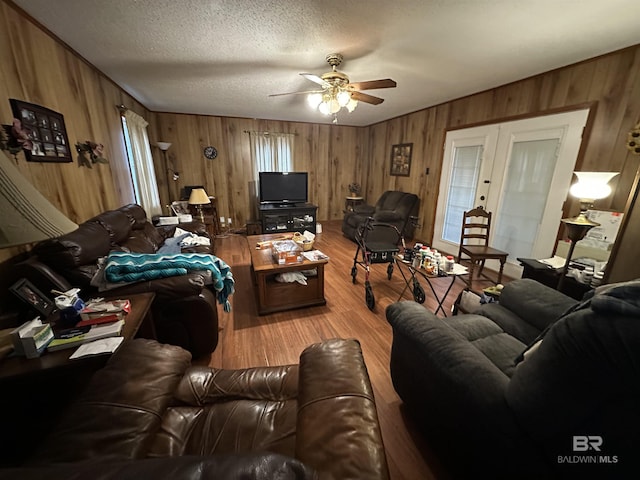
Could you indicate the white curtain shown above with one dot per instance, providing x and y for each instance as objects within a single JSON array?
[
  {"x": 524, "y": 195},
  {"x": 141, "y": 163},
  {"x": 462, "y": 190},
  {"x": 271, "y": 152}
]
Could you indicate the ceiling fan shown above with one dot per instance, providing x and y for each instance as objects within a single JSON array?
[{"x": 337, "y": 91}]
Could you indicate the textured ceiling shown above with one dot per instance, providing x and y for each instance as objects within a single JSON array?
[{"x": 225, "y": 57}]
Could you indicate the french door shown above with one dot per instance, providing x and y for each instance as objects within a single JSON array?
[{"x": 520, "y": 171}]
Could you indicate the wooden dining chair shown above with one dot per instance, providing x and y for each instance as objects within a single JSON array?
[{"x": 474, "y": 242}]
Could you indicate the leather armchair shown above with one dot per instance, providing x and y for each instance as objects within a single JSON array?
[
  {"x": 184, "y": 310},
  {"x": 149, "y": 406},
  {"x": 392, "y": 207}
]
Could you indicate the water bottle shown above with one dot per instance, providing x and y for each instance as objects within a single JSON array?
[{"x": 449, "y": 263}]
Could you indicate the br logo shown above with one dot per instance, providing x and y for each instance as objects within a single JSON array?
[{"x": 583, "y": 443}]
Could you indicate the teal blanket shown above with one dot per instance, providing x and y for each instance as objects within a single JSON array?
[{"x": 137, "y": 267}]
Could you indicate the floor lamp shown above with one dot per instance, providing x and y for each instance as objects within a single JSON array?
[
  {"x": 164, "y": 146},
  {"x": 591, "y": 186}
]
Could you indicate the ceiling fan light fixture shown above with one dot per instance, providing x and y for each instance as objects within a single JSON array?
[
  {"x": 324, "y": 107},
  {"x": 334, "y": 106},
  {"x": 336, "y": 91},
  {"x": 343, "y": 98},
  {"x": 314, "y": 100}
]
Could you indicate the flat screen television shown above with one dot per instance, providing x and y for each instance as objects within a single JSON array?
[{"x": 283, "y": 188}]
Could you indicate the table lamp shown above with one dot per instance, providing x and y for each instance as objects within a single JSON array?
[
  {"x": 591, "y": 186},
  {"x": 198, "y": 198},
  {"x": 27, "y": 216}
]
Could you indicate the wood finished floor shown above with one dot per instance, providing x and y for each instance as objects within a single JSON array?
[{"x": 247, "y": 339}]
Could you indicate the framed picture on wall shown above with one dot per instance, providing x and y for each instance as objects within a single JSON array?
[
  {"x": 46, "y": 131},
  {"x": 401, "y": 159}
]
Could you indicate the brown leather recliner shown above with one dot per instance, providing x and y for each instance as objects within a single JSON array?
[
  {"x": 184, "y": 310},
  {"x": 313, "y": 420}
]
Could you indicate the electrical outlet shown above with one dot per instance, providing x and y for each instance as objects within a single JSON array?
[
  {"x": 229, "y": 221},
  {"x": 222, "y": 221}
]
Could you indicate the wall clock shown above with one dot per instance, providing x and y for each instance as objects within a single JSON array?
[{"x": 210, "y": 152}]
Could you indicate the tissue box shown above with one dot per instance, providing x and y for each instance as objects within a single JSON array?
[
  {"x": 286, "y": 252},
  {"x": 31, "y": 338}
]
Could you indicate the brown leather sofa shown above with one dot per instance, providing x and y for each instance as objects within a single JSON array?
[
  {"x": 184, "y": 310},
  {"x": 150, "y": 414}
]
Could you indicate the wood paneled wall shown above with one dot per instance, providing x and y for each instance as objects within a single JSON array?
[
  {"x": 336, "y": 156},
  {"x": 37, "y": 68},
  {"x": 611, "y": 84},
  {"x": 332, "y": 154}
]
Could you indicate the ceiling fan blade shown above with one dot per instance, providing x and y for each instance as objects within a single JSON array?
[
  {"x": 294, "y": 93},
  {"x": 315, "y": 79},
  {"x": 363, "y": 97},
  {"x": 373, "y": 84}
]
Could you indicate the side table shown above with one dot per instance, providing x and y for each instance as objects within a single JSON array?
[
  {"x": 352, "y": 202},
  {"x": 550, "y": 277},
  {"x": 138, "y": 320},
  {"x": 36, "y": 390},
  {"x": 412, "y": 283}
]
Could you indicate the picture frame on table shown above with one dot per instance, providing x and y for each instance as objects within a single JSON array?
[
  {"x": 33, "y": 297},
  {"x": 401, "y": 159},
  {"x": 46, "y": 130},
  {"x": 180, "y": 207}
]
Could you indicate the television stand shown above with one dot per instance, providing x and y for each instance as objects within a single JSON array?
[{"x": 288, "y": 217}]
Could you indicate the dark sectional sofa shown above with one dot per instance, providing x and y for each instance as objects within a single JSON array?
[{"x": 570, "y": 409}]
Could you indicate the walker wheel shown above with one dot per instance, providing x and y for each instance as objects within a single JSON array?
[
  {"x": 354, "y": 274},
  {"x": 418, "y": 292},
  {"x": 368, "y": 295}
]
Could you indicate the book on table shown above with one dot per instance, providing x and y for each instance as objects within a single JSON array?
[
  {"x": 98, "y": 307},
  {"x": 96, "y": 319},
  {"x": 77, "y": 336}
]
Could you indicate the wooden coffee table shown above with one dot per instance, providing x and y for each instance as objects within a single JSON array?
[{"x": 274, "y": 296}]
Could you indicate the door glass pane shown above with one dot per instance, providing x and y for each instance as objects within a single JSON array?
[
  {"x": 462, "y": 189},
  {"x": 524, "y": 199}
]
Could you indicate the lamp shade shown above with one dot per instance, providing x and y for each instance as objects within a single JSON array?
[
  {"x": 198, "y": 197},
  {"x": 592, "y": 185},
  {"x": 26, "y": 215},
  {"x": 164, "y": 146}
]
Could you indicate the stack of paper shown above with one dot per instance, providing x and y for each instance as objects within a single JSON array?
[{"x": 97, "y": 347}]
